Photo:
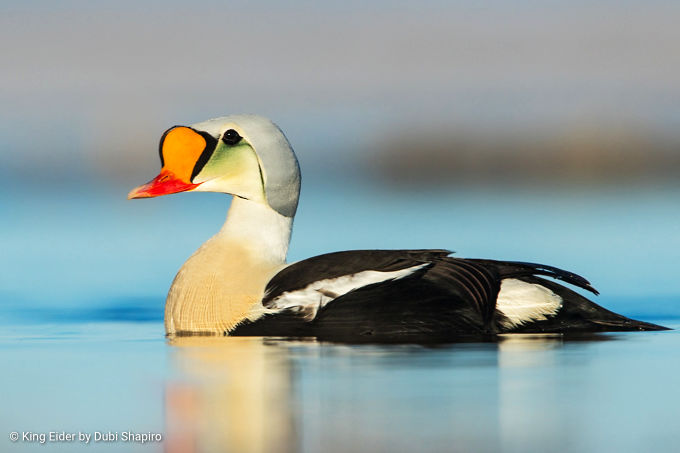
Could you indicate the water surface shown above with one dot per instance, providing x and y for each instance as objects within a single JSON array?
[{"x": 607, "y": 392}]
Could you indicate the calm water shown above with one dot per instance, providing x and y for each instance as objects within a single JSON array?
[
  {"x": 83, "y": 278},
  {"x": 613, "y": 392}
]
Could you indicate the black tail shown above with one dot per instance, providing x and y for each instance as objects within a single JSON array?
[{"x": 581, "y": 314}]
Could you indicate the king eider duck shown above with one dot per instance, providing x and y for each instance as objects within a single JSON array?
[{"x": 238, "y": 282}]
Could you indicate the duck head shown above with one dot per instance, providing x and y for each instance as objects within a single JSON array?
[{"x": 243, "y": 155}]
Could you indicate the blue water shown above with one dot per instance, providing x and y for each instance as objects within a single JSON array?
[{"x": 83, "y": 278}]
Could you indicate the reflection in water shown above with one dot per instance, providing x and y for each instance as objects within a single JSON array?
[
  {"x": 254, "y": 395},
  {"x": 231, "y": 395},
  {"x": 520, "y": 355},
  {"x": 534, "y": 375}
]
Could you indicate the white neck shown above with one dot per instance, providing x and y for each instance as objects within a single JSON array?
[
  {"x": 222, "y": 283},
  {"x": 265, "y": 232}
]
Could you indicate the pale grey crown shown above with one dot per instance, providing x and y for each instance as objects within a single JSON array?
[{"x": 280, "y": 166}]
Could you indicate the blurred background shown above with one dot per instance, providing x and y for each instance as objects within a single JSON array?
[
  {"x": 536, "y": 131},
  {"x": 539, "y": 131}
]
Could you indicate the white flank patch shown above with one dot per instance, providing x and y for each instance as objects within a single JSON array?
[
  {"x": 316, "y": 295},
  {"x": 522, "y": 302}
]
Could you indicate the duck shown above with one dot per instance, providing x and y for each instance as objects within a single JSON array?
[{"x": 238, "y": 282}]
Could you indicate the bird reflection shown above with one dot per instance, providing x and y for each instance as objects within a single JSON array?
[
  {"x": 229, "y": 394},
  {"x": 535, "y": 371},
  {"x": 240, "y": 394}
]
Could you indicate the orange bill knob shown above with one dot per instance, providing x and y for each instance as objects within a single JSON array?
[{"x": 181, "y": 147}]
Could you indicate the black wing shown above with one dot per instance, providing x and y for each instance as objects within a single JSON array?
[
  {"x": 330, "y": 266},
  {"x": 435, "y": 297},
  {"x": 518, "y": 269},
  {"x": 440, "y": 295}
]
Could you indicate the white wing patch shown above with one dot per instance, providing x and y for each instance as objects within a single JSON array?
[
  {"x": 522, "y": 302},
  {"x": 310, "y": 299}
]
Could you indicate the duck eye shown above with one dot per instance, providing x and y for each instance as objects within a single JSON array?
[{"x": 231, "y": 137}]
